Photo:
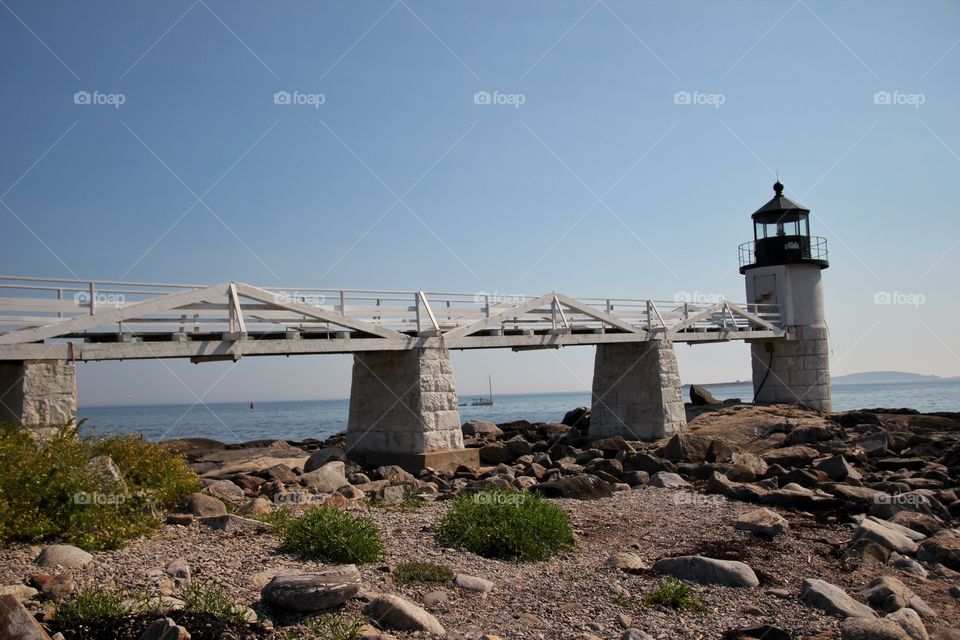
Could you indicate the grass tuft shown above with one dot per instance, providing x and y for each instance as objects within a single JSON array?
[
  {"x": 675, "y": 594},
  {"x": 93, "y": 604},
  {"x": 506, "y": 525},
  {"x": 210, "y": 597},
  {"x": 331, "y": 535},
  {"x": 422, "y": 573}
]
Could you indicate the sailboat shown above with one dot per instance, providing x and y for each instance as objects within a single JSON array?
[{"x": 484, "y": 402}]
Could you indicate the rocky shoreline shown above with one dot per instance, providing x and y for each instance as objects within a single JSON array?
[{"x": 844, "y": 525}]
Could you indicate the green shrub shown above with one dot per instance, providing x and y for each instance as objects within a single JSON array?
[
  {"x": 674, "y": 594},
  {"x": 331, "y": 535},
  {"x": 209, "y": 597},
  {"x": 48, "y": 492},
  {"x": 279, "y": 520},
  {"x": 422, "y": 572},
  {"x": 93, "y": 604},
  {"x": 507, "y": 525}
]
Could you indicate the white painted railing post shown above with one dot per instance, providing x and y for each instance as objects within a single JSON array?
[
  {"x": 343, "y": 303},
  {"x": 416, "y": 303},
  {"x": 93, "y": 297}
]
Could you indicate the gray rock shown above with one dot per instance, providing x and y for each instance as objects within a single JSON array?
[
  {"x": 165, "y": 629},
  {"x": 888, "y": 594},
  {"x": 225, "y": 490},
  {"x": 909, "y": 620},
  {"x": 867, "y": 629},
  {"x": 667, "y": 480},
  {"x": 635, "y": 634},
  {"x": 495, "y": 453},
  {"x": 704, "y": 570},
  {"x": 822, "y": 595},
  {"x": 396, "y": 613},
  {"x": 66, "y": 556},
  {"x": 321, "y": 457},
  {"x": 584, "y": 487},
  {"x": 315, "y": 591},
  {"x": 19, "y": 591},
  {"x": 796, "y": 456},
  {"x": 837, "y": 468},
  {"x": 943, "y": 549},
  {"x": 106, "y": 469},
  {"x": 884, "y": 536},
  {"x": 762, "y": 522},
  {"x": 473, "y": 583},
  {"x": 914, "y": 535},
  {"x": 908, "y": 565},
  {"x": 179, "y": 569},
  {"x": 434, "y": 599},
  {"x": 626, "y": 561},
  {"x": 232, "y": 523},
  {"x": 326, "y": 479},
  {"x": 481, "y": 429},
  {"x": 16, "y": 623},
  {"x": 202, "y": 505}
]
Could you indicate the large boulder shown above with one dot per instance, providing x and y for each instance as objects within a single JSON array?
[
  {"x": 496, "y": 453},
  {"x": 909, "y": 621},
  {"x": 700, "y": 396},
  {"x": 822, "y": 595},
  {"x": 202, "y": 505},
  {"x": 583, "y": 487},
  {"x": 795, "y": 456},
  {"x": 578, "y": 418},
  {"x": 685, "y": 448},
  {"x": 314, "y": 591},
  {"x": 762, "y": 522},
  {"x": 224, "y": 490},
  {"x": 481, "y": 429},
  {"x": 885, "y": 537},
  {"x": 326, "y": 479},
  {"x": 888, "y": 594},
  {"x": 396, "y": 613},
  {"x": 944, "y": 549},
  {"x": 16, "y": 623},
  {"x": 703, "y": 570},
  {"x": 321, "y": 457},
  {"x": 868, "y": 629},
  {"x": 165, "y": 629},
  {"x": 65, "y": 555},
  {"x": 667, "y": 480}
]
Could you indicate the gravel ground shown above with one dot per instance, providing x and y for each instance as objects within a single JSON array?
[{"x": 572, "y": 594}]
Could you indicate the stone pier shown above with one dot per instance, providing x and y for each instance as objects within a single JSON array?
[
  {"x": 636, "y": 391},
  {"x": 404, "y": 410},
  {"x": 38, "y": 393}
]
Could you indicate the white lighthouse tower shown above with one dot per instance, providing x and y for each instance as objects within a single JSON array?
[{"x": 782, "y": 267}]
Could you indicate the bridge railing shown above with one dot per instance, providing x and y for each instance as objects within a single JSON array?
[{"x": 31, "y": 302}]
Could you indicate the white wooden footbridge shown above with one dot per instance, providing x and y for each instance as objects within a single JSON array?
[{"x": 112, "y": 320}]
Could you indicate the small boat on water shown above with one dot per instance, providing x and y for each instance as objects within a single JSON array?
[{"x": 484, "y": 402}]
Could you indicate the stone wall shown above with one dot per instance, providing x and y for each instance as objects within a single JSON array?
[
  {"x": 40, "y": 393},
  {"x": 800, "y": 371},
  {"x": 403, "y": 402},
  {"x": 636, "y": 391}
]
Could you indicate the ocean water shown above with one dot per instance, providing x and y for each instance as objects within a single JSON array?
[{"x": 237, "y": 422}]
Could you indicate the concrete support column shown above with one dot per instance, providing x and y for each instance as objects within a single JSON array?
[
  {"x": 38, "y": 393},
  {"x": 404, "y": 410},
  {"x": 799, "y": 370},
  {"x": 636, "y": 391}
]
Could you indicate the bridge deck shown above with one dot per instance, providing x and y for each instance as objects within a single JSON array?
[{"x": 110, "y": 320}]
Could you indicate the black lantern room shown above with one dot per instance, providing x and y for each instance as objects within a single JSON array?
[{"x": 781, "y": 235}]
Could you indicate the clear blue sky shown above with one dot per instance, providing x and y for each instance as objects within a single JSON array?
[{"x": 599, "y": 184}]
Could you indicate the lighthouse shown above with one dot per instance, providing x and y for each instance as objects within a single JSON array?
[{"x": 782, "y": 267}]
